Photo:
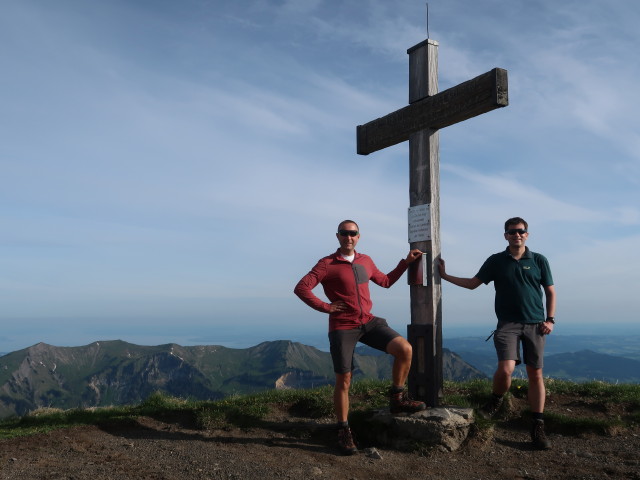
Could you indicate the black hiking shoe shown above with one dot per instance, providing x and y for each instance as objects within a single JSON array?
[
  {"x": 538, "y": 437},
  {"x": 490, "y": 408},
  {"x": 401, "y": 403},
  {"x": 345, "y": 441}
]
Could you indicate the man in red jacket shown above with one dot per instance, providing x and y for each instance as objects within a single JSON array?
[{"x": 345, "y": 276}]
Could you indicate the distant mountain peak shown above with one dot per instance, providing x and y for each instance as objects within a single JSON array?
[{"x": 115, "y": 372}]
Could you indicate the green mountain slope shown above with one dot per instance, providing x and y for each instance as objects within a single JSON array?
[
  {"x": 120, "y": 373},
  {"x": 586, "y": 365}
]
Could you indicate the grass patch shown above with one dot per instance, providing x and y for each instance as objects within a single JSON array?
[
  {"x": 370, "y": 394},
  {"x": 470, "y": 394},
  {"x": 314, "y": 404},
  {"x": 601, "y": 391},
  {"x": 366, "y": 396},
  {"x": 576, "y": 425},
  {"x": 248, "y": 410},
  {"x": 47, "y": 419},
  {"x": 241, "y": 412}
]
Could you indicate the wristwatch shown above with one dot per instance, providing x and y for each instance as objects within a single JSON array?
[{"x": 551, "y": 319}]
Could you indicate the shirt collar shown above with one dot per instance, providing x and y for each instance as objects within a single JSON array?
[
  {"x": 526, "y": 254},
  {"x": 339, "y": 256}
]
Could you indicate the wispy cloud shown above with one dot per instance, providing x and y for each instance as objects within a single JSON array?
[
  {"x": 152, "y": 154},
  {"x": 523, "y": 194}
]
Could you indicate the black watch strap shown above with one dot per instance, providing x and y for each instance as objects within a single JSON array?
[{"x": 551, "y": 319}]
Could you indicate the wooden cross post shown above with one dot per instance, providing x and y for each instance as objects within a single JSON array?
[{"x": 419, "y": 122}]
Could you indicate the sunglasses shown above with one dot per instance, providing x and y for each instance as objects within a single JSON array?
[
  {"x": 513, "y": 231},
  {"x": 348, "y": 233}
]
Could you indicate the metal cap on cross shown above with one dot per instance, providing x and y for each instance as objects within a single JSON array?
[{"x": 419, "y": 122}]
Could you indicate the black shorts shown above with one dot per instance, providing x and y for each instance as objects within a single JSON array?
[
  {"x": 509, "y": 336},
  {"x": 376, "y": 334}
]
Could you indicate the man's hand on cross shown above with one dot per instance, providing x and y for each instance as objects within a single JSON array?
[{"x": 413, "y": 256}]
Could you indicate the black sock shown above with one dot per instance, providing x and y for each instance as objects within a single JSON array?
[
  {"x": 343, "y": 424},
  {"x": 395, "y": 389},
  {"x": 537, "y": 416},
  {"x": 496, "y": 396}
]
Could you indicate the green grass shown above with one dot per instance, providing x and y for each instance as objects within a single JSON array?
[
  {"x": 45, "y": 420},
  {"x": 607, "y": 392},
  {"x": 575, "y": 426},
  {"x": 366, "y": 395}
]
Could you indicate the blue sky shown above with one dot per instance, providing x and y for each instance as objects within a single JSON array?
[{"x": 169, "y": 170}]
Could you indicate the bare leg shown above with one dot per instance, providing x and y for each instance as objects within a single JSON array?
[
  {"x": 341, "y": 396},
  {"x": 502, "y": 376},
  {"x": 402, "y": 352},
  {"x": 537, "y": 391}
]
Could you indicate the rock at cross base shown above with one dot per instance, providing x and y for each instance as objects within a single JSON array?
[{"x": 447, "y": 427}]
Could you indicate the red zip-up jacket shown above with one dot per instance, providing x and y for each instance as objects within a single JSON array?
[{"x": 349, "y": 282}]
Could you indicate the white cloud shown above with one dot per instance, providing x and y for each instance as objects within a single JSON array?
[
  {"x": 521, "y": 194},
  {"x": 150, "y": 157}
]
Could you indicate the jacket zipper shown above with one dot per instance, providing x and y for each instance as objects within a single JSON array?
[{"x": 355, "y": 278}]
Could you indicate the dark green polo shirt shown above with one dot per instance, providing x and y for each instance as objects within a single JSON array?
[{"x": 518, "y": 285}]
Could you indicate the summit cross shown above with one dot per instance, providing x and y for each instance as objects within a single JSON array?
[{"x": 419, "y": 122}]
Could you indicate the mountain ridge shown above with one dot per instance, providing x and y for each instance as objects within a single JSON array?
[
  {"x": 115, "y": 372},
  {"x": 608, "y": 358}
]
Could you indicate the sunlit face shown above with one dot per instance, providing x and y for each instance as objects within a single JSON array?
[
  {"x": 347, "y": 239},
  {"x": 516, "y": 235}
]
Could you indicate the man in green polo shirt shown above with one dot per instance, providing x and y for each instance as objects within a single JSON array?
[{"x": 519, "y": 276}]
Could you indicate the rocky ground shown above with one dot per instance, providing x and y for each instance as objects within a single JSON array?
[{"x": 294, "y": 448}]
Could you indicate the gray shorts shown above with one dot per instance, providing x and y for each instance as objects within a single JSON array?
[
  {"x": 376, "y": 334},
  {"x": 509, "y": 336}
]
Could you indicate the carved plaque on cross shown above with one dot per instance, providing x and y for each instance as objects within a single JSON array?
[{"x": 419, "y": 122}]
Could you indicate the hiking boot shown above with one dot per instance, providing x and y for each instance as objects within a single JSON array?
[
  {"x": 538, "y": 437},
  {"x": 490, "y": 408},
  {"x": 345, "y": 441},
  {"x": 401, "y": 403}
]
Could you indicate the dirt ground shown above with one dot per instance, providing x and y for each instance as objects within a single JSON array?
[{"x": 293, "y": 448}]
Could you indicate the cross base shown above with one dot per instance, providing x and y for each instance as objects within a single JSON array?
[{"x": 425, "y": 376}]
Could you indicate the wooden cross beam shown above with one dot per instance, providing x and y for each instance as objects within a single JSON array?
[
  {"x": 474, "y": 97},
  {"x": 419, "y": 122}
]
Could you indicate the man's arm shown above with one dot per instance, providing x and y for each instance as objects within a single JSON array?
[
  {"x": 470, "y": 283},
  {"x": 386, "y": 280},
  {"x": 307, "y": 283},
  {"x": 550, "y": 297}
]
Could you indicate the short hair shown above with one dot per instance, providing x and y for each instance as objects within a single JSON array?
[
  {"x": 347, "y": 221},
  {"x": 515, "y": 221}
]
